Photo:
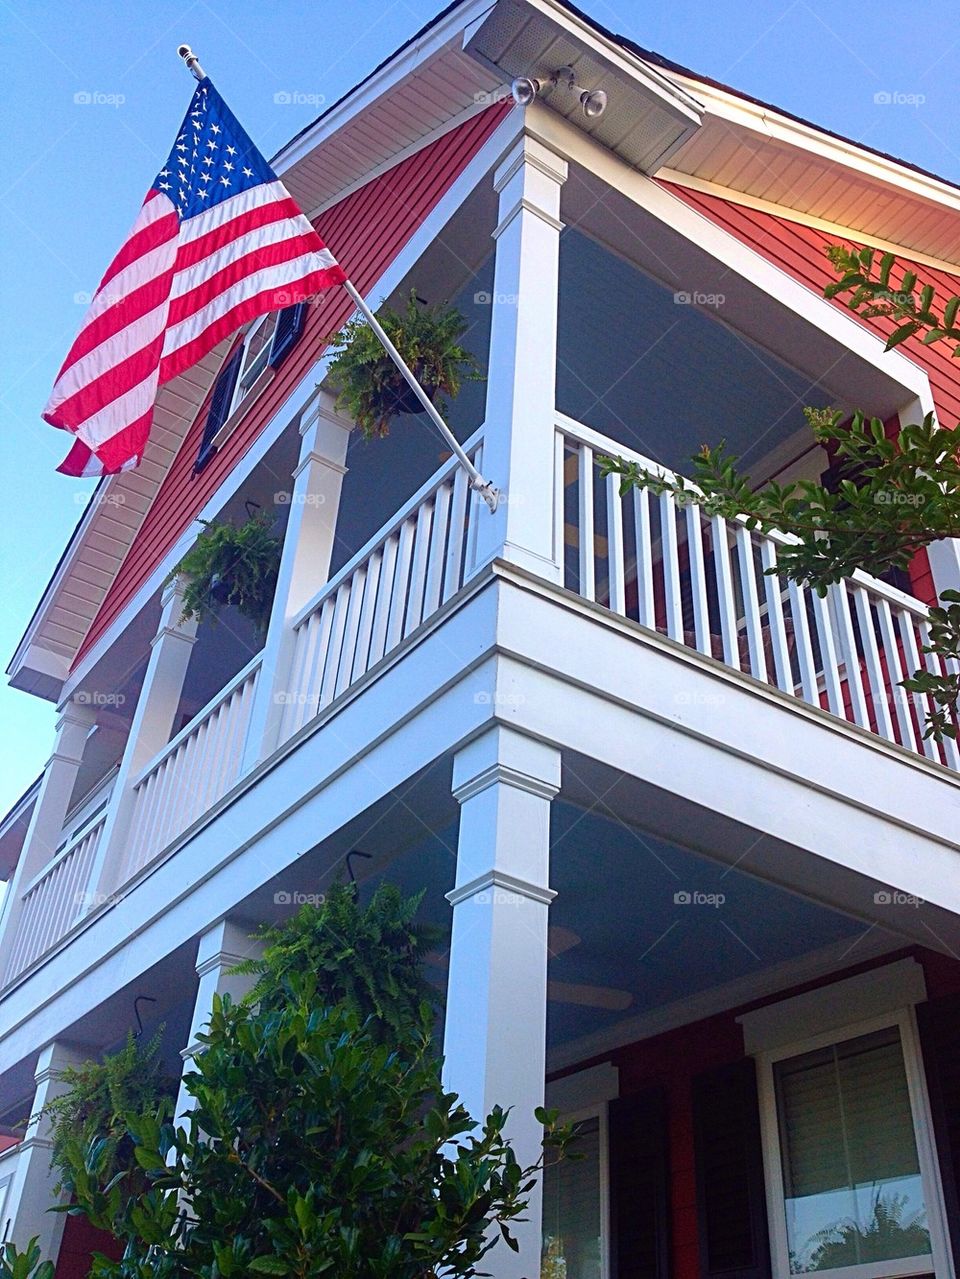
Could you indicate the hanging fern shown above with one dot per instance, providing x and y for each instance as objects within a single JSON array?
[
  {"x": 372, "y": 390},
  {"x": 365, "y": 957},
  {"x": 231, "y": 564},
  {"x": 93, "y": 1108}
]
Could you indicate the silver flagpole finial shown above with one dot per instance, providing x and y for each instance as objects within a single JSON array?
[{"x": 191, "y": 60}]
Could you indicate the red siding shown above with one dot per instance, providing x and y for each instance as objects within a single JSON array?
[
  {"x": 80, "y": 1241},
  {"x": 366, "y": 231},
  {"x": 798, "y": 250}
]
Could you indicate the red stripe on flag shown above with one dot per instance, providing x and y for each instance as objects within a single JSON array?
[
  {"x": 206, "y": 290},
  {"x": 273, "y": 299},
  {"x": 196, "y": 250}
]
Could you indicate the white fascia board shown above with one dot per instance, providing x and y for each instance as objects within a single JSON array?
[
  {"x": 430, "y": 228},
  {"x": 771, "y": 124},
  {"x": 726, "y": 248},
  {"x": 396, "y": 69}
]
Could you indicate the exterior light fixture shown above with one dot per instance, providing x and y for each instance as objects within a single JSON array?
[{"x": 593, "y": 102}]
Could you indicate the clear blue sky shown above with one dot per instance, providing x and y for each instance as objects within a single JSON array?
[{"x": 75, "y": 172}]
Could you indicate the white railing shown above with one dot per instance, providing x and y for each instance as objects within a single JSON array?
[
  {"x": 703, "y": 581},
  {"x": 403, "y": 574},
  {"x": 54, "y": 900},
  {"x": 193, "y": 771}
]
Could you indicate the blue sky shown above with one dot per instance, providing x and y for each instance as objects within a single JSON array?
[{"x": 76, "y": 170}]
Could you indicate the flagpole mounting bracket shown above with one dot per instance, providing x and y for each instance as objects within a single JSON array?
[{"x": 192, "y": 61}]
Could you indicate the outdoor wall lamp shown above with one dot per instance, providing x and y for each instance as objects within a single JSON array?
[{"x": 593, "y": 102}]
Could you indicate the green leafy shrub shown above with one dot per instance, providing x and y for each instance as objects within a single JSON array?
[
  {"x": 372, "y": 390},
  {"x": 322, "y": 1142}
]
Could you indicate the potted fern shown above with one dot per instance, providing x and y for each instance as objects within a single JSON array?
[
  {"x": 372, "y": 390},
  {"x": 231, "y": 564}
]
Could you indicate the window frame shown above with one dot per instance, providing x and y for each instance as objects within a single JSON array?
[
  {"x": 265, "y": 354},
  {"x": 939, "y": 1261},
  {"x": 595, "y": 1110}
]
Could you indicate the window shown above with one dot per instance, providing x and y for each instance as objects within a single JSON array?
[
  {"x": 267, "y": 343},
  {"x": 852, "y": 1184},
  {"x": 256, "y": 352},
  {"x": 573, "y": 1210}
]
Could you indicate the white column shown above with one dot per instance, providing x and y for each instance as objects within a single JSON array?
[
  {"x": 150, "y": 730},
  {"x": 31, "y": 1191},
  {"x": 49, "y": 812},
  {"x": 518, "y": 449},
  {"x": 495, "y": 1034},
  {"x": 304, "y": 564},
  {"x": 221, "y": 948}
]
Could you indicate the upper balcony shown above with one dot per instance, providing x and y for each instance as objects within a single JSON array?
[{"x": 369, "y": 608}]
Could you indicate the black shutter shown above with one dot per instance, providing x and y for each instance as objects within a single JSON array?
[
  {"x": 731, "y": 1200},
  {"x": 939, "y": 1023},
  {"x": 219, "y": 408},
  {"x": 639, "y": 1187},
  {"x": 290, "y": 324}
]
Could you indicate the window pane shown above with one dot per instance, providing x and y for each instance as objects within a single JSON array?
[
  {"x": 851, "y": 1171},
  {"x": 571, "y": 1210},
  {"x": 255, "y": 353}
]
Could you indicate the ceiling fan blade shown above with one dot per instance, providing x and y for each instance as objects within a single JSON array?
[
  {"x": 560, "y": 939},
  {"x": 606, "y": 997}
]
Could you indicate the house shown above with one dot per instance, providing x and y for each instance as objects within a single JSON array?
[{"x": 698, "y": 865}]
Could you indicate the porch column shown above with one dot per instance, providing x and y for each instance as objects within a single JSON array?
[
  {"x": 221, "y": 948},
  {"x": 495, "y": 1033},
  {"x": 31, "y": 1191},
  {"x": 518, "y": 449},
  {"x": 150, "y": 730},
  {"x": 49, "y": 812},
  {"x": 304, "y": 564}
]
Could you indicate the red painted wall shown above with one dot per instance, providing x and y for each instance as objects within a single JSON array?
[
  {"x": 672, "y": 1060},
  {"x": 80, "y": 1241},
  {"x": 798, "y": 250},
  {"x": 365, "y": 231}
]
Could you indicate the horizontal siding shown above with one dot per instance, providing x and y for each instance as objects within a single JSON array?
[
  {"x": 798, "y": 250},
  {"x": 365, "y": 230}
]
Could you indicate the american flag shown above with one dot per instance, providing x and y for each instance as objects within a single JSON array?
[{"x": 218, "y": 242}]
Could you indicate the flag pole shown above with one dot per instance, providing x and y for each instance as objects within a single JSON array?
[{"x": 484, "y": 487}]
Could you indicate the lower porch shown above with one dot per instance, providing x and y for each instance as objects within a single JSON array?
[{"x": 760, "y": 1067}]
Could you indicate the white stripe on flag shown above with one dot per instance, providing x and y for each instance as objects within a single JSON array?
[
  {"x": 270, "y": 277},
  {"x": 193, "y": 277},
  {"x": 112, "y": 351},
  {"x": 235, "y": 207},
  {"x": 119, "y": 413}
]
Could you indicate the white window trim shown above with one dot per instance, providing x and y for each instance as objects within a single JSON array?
[
  {"x": 940, "y": 1262},
  {"x": 600, "y": 1112}
]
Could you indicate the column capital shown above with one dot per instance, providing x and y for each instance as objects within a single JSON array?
[
  {"x": 501, "y": 881},
  {"x": 506, "y": 756},
  {"x": 77, "y": 712},
  {"x": 531, "y": 152}
]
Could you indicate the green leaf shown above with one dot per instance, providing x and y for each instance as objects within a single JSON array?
[
  {"x": 268, "y": 1266},
  {"x": 901, "y": 334}
]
